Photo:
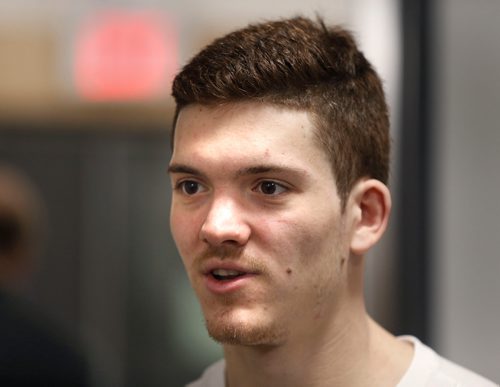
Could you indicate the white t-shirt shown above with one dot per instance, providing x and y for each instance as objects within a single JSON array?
[
  {"x": 213, "y": 376},
  {"x": 431, "y": 370},
  {"x": 427, "y": 369}
]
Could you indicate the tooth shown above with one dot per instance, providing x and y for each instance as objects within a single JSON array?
[{"x": 225, "y": 273}]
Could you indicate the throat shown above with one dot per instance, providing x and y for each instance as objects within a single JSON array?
[{"x": 338, "y": 360}]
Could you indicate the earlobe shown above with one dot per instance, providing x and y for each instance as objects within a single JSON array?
[{"x": 371, "y": 202}]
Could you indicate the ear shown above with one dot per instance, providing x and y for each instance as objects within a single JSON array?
[{"x": 370, "y": 202}]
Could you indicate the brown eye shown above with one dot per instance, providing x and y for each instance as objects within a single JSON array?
[
  {"x": 191, "y": 187},
  {"x": 269, "y": 187}
]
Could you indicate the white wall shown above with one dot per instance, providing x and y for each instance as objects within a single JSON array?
[{"x": 466, "y": 313}]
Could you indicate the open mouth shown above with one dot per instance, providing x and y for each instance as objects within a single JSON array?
[
  {"x": 226, "y": 275},
  {"x": 227, "y": 280}
]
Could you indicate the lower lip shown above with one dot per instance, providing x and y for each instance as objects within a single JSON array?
[{"x": 227, "y": 286}]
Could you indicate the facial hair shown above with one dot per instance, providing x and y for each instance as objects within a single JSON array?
[{"x": 222, "y": 326}]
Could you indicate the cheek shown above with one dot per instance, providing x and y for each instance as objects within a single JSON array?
[
  {"x": 302, "y": 240},
  {"x": 308, "y": 250},
  {"x": 305, "y": 259},
  {"x": 293, "y": 247}
]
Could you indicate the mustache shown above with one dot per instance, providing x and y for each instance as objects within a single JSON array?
[{"x": 230, "y": 253}]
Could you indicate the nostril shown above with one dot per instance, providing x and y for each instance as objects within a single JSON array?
[
  {"x": 215, "y": 240},
  {"x": 234, "y": 235},
  {"x": 225, "y": 223}
]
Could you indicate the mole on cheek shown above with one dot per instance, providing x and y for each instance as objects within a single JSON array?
[{"x": 288, "y": 271}]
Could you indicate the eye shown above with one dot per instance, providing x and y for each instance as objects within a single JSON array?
[
  {"x": 269, "y": 187},
  {"x": 190, "y": 187}
]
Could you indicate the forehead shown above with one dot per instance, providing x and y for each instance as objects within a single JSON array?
[{"x": 252, "y": 129}]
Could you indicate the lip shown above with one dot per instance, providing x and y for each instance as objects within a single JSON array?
[
  {"x": 227, "y": 286},
  {"x": 230, "y": 285}
]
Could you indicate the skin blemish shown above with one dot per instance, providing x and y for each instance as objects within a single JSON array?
[{"x": 288, "y": 271}]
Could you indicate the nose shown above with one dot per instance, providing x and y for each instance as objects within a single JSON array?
[{"x": 225, "y": 224}]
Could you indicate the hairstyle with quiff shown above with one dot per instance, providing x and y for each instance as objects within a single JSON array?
[{"x": 304, "y": 65}]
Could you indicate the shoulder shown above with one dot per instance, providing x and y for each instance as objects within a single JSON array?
[
  {"x": 213, "y": 376},
  {"x": 431, "y": 370}
]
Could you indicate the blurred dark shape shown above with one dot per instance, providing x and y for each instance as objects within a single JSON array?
[
  {"x": 10, "y": 233},
  {"x": 33, "y": 350},
  {"x": 21, "y": 228}
]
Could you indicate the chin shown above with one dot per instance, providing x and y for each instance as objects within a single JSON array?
[{"x": 228, "y": 328}]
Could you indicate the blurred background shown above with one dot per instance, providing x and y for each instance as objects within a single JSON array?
[{"x": 85, "y": 113}]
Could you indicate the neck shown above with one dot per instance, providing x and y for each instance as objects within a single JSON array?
[{"x": 326, "y": 358}]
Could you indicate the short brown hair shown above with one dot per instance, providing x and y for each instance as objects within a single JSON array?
[{"x": 300, "y": 64}]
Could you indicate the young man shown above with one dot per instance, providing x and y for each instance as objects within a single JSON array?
[{"x": 279, "y": 169}]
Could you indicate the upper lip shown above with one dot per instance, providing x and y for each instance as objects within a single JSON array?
[{"x": 212, "y": 264}]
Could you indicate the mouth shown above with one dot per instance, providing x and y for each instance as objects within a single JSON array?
[
  {"x": 228, "y": 279},
  {"x": 226, "y": 275}
]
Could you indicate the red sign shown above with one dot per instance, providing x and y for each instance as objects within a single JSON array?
[{"x": 125, "y": 55}]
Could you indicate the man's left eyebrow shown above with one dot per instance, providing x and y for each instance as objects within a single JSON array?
[{"x": 258, "y": 169}]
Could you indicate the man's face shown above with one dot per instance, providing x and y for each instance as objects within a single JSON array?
[{"x": 257, "y": 220}]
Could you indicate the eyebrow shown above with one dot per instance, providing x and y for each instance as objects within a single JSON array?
[
  {"x": 182, "y": 168},
  {"x": 253, "y": 170},
  {"x": 265, "y": 168}
]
